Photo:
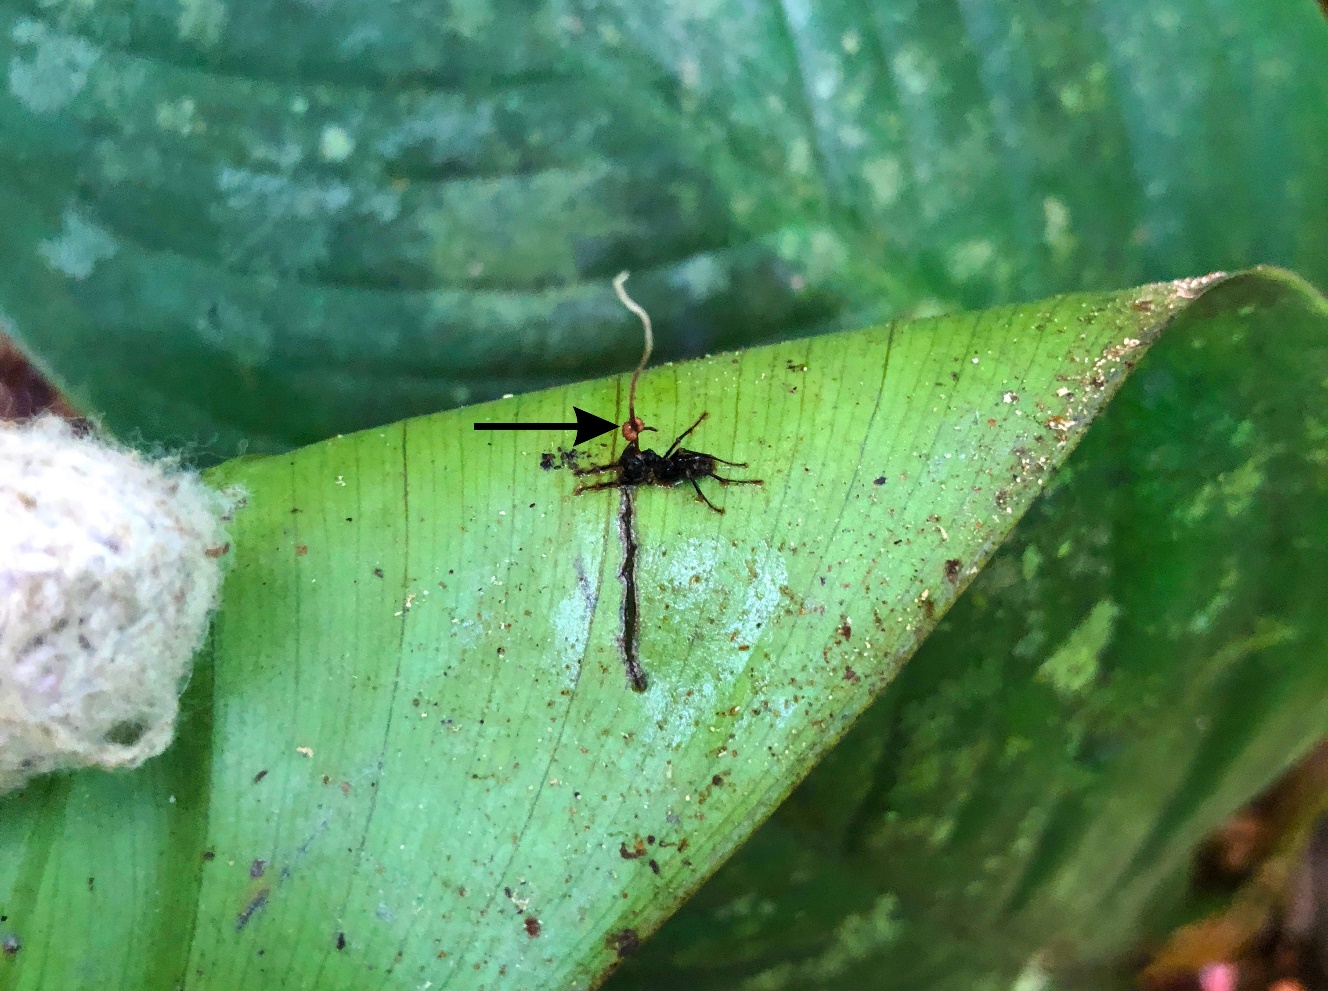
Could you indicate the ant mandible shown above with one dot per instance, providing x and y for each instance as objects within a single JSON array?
[{"x": 678, "y": 464}]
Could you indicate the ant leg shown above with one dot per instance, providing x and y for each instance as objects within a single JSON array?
[
  {"x": 674, "y": 446},
  {"x": 701, "y": 495},
  {"x": 596, "y": 469},
  {"x": 596, "y": 487},
  {"x": 731, "y": 464},
  {"x": 738, "y": 481}
]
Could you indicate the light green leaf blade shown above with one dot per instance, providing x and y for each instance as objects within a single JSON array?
[{"x": 414, "y": 732}]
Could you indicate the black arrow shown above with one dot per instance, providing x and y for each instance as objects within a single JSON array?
[{"x": 587, "y": 426}]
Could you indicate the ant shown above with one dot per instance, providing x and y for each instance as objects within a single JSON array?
[{"x": 678, "y": 464}]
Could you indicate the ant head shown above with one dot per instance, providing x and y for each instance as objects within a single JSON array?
[{"x": 633, "y": 428}]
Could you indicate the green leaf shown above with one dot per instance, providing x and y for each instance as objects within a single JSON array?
[
  {"x": 436, "y": 619},
  {"x": 231, "y": 224},
  {"x": 1143, "y": 655}
]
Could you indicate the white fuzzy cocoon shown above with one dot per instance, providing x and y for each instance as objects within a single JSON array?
[{"x": 109, "y": 569}]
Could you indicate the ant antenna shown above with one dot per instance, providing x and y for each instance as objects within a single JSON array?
[{"x": 634, "y": 426}]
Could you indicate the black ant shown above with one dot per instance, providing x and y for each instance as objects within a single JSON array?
[
  {"x": 678, "y": 464},
  {"x": 637, "y": 467}
]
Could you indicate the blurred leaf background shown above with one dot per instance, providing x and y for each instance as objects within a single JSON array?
[{"x": 249, "y": 226}]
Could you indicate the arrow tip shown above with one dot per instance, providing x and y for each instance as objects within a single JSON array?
[{"x": 590, "y": 426}]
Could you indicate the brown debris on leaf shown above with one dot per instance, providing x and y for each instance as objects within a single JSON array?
[{"x": 624, "y": 942}]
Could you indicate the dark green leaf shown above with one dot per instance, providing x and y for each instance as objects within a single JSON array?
[{"x": 261, "y": 224}]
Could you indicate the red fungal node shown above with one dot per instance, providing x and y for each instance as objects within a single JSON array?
[
  {"x": 632, "y": 428},
  {"x": 532, "y": 926}
]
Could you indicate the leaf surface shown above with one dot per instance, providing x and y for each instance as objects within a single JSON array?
[
  {"x": 1024, "y": 802},
  {"x": 411, "y": 753}
]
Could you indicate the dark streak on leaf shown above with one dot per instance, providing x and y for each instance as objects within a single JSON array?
[
  {"x": 631, "y": 632},
  {"x": 255, "y": 905}
]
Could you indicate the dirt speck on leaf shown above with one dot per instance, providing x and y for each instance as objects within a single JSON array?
[{"x": 624, "y": 942}]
